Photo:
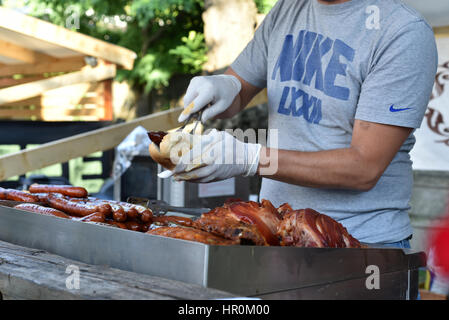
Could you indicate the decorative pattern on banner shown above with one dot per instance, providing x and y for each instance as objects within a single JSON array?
[{"x": 431, "y": 151}]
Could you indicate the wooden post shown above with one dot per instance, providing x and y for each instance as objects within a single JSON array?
[{"x": 107, "y": 100}]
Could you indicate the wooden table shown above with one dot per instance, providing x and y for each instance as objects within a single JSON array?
[{"x": 27, "y": 273}]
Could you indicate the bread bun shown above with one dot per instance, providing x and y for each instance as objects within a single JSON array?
[
  {"x": 165, "y": 152},
  {"x": 161, "y": 154}
]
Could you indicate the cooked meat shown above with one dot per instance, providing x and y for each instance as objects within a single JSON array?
[
  {"x": 308, "y": 228},
  {"x": 219, "y": 223},
  {"x": 284, "y": 209},
  {"x": 247, "y": 222},
  {"x": 191, "y": 235},
  {"x": 167, "y": 220}
]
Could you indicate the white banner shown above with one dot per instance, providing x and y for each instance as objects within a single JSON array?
[{"x": 431, "y": 151}]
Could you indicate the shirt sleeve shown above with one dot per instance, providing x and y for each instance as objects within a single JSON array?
[
  {"x": 251, "y": 64},
  {"x": 397, "y": 89}
]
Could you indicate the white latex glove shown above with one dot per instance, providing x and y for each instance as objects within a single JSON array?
[
  {"x": 220, "y": 91},
  {"x": 218, "y": 156}
]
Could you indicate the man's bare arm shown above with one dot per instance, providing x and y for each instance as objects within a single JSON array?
[
  {"x": 247, "y": 93},
  {"x": 358, "y": 167}
]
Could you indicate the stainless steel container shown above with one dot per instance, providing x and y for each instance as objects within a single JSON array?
[{"x": 267, "y": 272}]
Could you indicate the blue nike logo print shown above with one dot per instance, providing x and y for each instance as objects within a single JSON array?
[{"x": 393, "y": 109}]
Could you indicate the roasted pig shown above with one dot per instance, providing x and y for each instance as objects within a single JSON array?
[
  {"x": 246, "y": 222},
  {"x": 308, "y": 228},
  {"x": 192, "y": 235}
]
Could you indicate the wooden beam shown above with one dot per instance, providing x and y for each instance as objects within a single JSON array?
[
  {"x": 56, "y": 65},
  {"x": 10, "y": 82},
  {"x": 35, "y": 101},
  {"x": 441, "y": 32},
  {"x": 16, "y": 52},
  {"x": 19, "y": 113},
  {"x": 29, "y": 90},
  {"x": 61, "y": 37},
  {"x": 107, "y": 100},
  {"x": 81, "y": 145}
]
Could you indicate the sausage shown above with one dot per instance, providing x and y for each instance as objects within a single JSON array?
[
  {"x": 143, "y": 213},
  {"x": 157, "y": 136},
  {"x": 131, "y": 212},
  {"x": 43, "y": 197},
  {"x": 94, "y": 217},
  {"x": 123, "y": 210},
  {"x": 146, "y": 215},
  {"x": 120, "y": 225},
  {"x": 2, "y": 194},
  {"x": 146, "y": 227},
  {"x": 16, "y": 195},
  {"x": 79, "y": 209},
  {"x": 118, "y": 213},
  {"x": 42, "y": 210},
  {"x": 77, "y": 192},
  {"x": 134, "y": 226}
]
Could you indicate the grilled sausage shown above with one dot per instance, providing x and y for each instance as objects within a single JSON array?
[
  {"x": 2, "y": 194},
  {"x": 77, "y": 192},
  {"x": 16, "y": 195},
  {"x": 135, "y": 226},
  {"x": 94, "y": 217},
  {"x": 130, "y": 212},
  {"x": 118, "y": 213},
  {"x": 143, "y": 213},
  {"x": 42, "y": 210},
  {"x": 79, "y": 209},
  {"x": 120, "y": 225},
  {"x": 43, "y": 197}
]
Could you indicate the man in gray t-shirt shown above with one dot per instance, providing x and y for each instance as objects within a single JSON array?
[{"x": 348, "y": 82}]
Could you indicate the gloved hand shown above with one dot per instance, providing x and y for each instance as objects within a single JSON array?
[
  {"x": 220, "y": 91},
  {"x": 218, "y": 156}
]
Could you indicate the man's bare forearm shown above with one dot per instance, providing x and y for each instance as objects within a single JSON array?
[
  {"x": 357, "y": 167},
  {"x": 339, "y": 168}
]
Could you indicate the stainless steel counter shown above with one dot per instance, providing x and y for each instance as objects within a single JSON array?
[{"x": 267, "y": 272}]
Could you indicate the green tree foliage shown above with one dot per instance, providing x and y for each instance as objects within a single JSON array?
[
  {"x": 165, "y": 34},
  {"x": 264, "y": 6}
]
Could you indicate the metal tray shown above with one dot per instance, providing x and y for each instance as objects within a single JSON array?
[{"x": 268, "y": 272}]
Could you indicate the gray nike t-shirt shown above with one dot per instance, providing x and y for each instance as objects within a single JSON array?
[{"x": 325, "y": 66}]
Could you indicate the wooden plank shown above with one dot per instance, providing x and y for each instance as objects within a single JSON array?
[
  {"x": 441, "y": 32},
  {"x": 10, "y": 82},
  {"x": 35, "y": 101},
  {"x": 67, "y": 113},
  {"x": 36, "y": 88},
  {"x": 81, "y": 145},
  {"x": 59, "y": 36},
  {"x": 54, "y": 114},
  {"x": 16, "y": 52},
  {"x": 67, "y": 96},
  {"x": 20, "y": 113},
  {"x": 56, "y": 65},
  {"x": 27, "y": 273}
]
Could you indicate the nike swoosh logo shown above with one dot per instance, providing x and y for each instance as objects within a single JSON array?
[{"x": 393, "y": 109}]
